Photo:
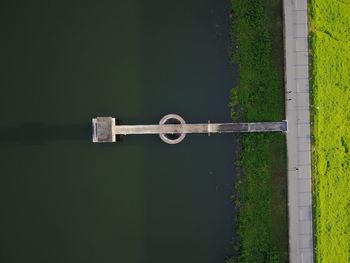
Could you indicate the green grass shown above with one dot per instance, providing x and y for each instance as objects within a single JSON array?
[
  {"x": 261, "y": 186},
  {"x": 330, "y": 42}
]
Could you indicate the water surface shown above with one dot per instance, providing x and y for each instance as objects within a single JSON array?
[{"x": 64, "y": 199}]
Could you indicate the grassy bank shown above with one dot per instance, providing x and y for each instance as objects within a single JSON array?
[
  {"x": 261, "y": 186},
  {"x": 330, "y": 42}
]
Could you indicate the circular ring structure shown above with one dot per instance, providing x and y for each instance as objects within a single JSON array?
[{"x": 176, "y": 137}]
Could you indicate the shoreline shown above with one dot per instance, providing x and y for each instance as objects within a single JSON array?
[{"x": 260, "y": 197}]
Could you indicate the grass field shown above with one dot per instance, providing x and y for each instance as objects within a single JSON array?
[
  {"x": 261, "y": 188},
  {"x": 330, "y": 42}
]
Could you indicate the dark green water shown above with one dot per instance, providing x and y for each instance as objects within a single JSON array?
[{"x": 64, "y": 199}]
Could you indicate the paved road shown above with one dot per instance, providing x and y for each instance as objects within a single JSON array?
[{"x": 298, "y": 135}]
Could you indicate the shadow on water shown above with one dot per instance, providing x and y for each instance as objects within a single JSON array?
[{"x": 42, "y": 133}]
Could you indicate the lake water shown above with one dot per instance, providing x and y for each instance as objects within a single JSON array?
[{"x": 64, "y": 199}]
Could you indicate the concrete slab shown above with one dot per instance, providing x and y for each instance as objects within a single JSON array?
[
  {"x": 306, "y": 257},
  {"x": 304, "y": 185},
  {"x": 305, "y": 213},
  {"x": 301, "y": 17},
  {"x": 302, "y": 84},
  {"x": 302, "y": 99},
  {"x": 304, "y": 199},
  {"x": 304, "y": 158},
  {"x": 304, "y": 172},
  {"x": 301, "y": 44},
  {"x": 305, "y": 241},
  {"x": 300, "y": 5},
  {"x": 302, "y": 58},
  {"x": 303, "y": 130},
  {"x": 305, "y": 227},
  {"x": 303, "y": 144},
  {"x": 301, "y": 71},
  {"x": 303, "y": 116},
  {"x": 301, "y": 30}
]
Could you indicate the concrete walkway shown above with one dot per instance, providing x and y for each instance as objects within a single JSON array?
[
  {"x": 200, "y": 128},
  {"x": 298, "y": 135},
  {"x": 105, "y": 129}
]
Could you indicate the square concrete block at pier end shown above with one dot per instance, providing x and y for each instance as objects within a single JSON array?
[{"x": 103, "y": 129}]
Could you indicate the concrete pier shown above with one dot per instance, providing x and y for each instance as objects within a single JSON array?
[
  {"x": 172, "y": 128},
  {"x": 199, "y": 128}
]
